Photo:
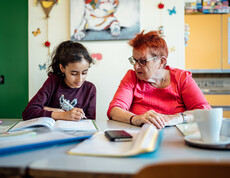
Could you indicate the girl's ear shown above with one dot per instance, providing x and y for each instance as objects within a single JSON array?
[{"x": 62, "y": 68}]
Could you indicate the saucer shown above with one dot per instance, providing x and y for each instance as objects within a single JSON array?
[{"x": 195, "y": 140}]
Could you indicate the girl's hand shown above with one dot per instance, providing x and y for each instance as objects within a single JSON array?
[
  {"x": 74, "y": 114},
  {"x": 150, "y": 117}
]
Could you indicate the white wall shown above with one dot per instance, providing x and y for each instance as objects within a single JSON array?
[{"x": 108, "y": 72}]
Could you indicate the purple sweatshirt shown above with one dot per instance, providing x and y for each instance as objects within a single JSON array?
[{"x": 55, "y": 94}]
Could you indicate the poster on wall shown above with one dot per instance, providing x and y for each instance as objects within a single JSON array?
[{"x": 92, "y": 20}]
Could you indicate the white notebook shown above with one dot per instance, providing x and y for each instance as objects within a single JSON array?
[{"x": 85, "y": 125}]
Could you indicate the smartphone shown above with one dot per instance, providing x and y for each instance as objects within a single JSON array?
[{"x": 118, "y": 136}]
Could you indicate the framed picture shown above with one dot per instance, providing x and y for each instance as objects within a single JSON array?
[{"x": 92, "y": 20}]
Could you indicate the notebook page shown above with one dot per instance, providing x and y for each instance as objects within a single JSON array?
[
  {"x": 99, "y": 145},
  {"x": 37, "y": 122},
  {"x": 82, "y": 125}
]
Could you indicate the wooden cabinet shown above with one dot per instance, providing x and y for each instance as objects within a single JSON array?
[
  {"x": 226, "y": 41},
  {"x": 220, "y": 101},
  {"x": 207, "y": 49}
]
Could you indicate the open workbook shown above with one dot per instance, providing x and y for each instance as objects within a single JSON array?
[
  {"x": 85, "y": 125},
  {"x": 147, "y": 140}
]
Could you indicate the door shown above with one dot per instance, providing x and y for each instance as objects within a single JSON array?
[
  {"x": 203, "y": 51},
  {"x": 14, "y": 58}
]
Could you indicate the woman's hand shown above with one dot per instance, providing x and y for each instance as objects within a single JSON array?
[
  {"x": 74, "y": 114},
  {"x": 157, "y": 119},
  {"x": 150, "y": 117}
]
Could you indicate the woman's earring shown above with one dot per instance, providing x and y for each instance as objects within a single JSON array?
[{"x": 63, "y": 74}]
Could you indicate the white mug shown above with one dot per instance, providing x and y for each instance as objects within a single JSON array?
[{"x": 209, "y": 124}]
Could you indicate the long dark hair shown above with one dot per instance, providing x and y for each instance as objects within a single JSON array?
[{"x": 65, "y": 53}]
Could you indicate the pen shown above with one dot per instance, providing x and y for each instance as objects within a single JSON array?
[{"x": 71, "y": 107}]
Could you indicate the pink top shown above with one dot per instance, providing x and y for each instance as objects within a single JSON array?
[{"x": 138, "y": 96}]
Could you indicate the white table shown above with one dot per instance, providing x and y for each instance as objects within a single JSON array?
[
  {"x": 55, "y": 162},
  {"x": 172, "y": 149}
]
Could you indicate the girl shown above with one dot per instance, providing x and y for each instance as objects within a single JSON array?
[{"x": 65, "y": 95}]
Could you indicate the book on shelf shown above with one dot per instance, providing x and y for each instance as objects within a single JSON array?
[
  {"x": 85, "y": 125},
  {"x": 146, "y": 140}
]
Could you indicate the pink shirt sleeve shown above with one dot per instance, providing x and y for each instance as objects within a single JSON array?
[
  {"x": 191, "y": 94},
  {"x": 124, "y": 95}
]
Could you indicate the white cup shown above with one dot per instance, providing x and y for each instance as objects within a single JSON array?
[{"x": 209, "y": 124}]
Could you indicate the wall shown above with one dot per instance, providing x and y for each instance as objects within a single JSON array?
[
  {"x": 108, "y": 72},
  {"x": 14, "y": 58}
]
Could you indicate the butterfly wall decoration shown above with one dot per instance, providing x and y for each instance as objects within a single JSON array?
[
  {"x": 172, "y": 49},
  {"x": 42, "y": 67},
  {"x": 173, "y": 11},
  {"x": 37, "y": 32}
]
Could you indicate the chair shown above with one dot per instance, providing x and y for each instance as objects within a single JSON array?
[{"x": 186, "y": 170}]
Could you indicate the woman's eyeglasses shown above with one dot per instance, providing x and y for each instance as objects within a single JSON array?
[{"x": 140, "y": 62}]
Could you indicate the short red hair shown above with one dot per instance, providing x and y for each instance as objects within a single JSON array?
[{"x": 150, "y": 40}]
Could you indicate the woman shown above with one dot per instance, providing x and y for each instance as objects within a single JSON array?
[{"x": 153, "y": 92}]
